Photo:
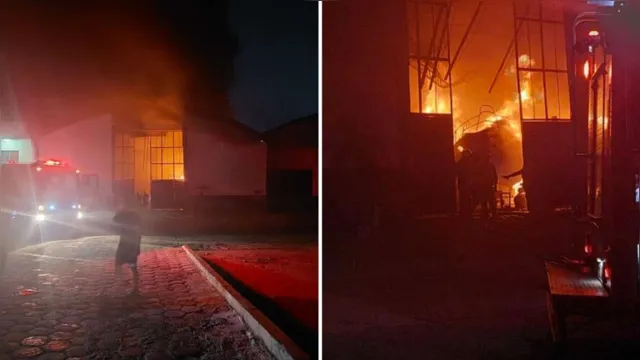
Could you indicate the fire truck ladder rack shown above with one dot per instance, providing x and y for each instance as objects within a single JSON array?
[{"x": 431, "y": 21}]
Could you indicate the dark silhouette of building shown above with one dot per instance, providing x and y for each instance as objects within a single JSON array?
[
  {"x": 292, "y": 165},
  {"x": 376, "y": 152}
]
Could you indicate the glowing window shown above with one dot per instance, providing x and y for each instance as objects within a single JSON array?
[
  {"x": 167, "y": 156},
  {"x": 124, "y": 157}
]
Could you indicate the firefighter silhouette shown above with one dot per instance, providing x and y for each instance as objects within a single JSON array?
[
  {"x": 464, "y": 172},
  {"x": 485, "y": 182}
]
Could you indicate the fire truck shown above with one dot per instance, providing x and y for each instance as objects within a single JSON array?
[
  {"x": 37, "y": 198},
  {"x": 603, "y": 281}
]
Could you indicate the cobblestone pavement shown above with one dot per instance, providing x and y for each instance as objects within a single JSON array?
[{"x": 52, "y": 306}]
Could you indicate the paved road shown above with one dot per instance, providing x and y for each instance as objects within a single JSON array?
[
  {"x": 440, "y": 289},
  {"x": 177, "y": 315}
]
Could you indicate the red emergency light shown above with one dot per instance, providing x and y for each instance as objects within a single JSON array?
[
  {"x": 53, "y": 163},
  {"x": 594, "y": 33}
]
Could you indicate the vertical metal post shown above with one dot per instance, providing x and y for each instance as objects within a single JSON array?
[
  {"x": 418, "y": 55},
  {"x": 594, "y": 139},
  {"x": 517, "y": 58},
  {"x": 623, "y": 210},
  {"x": 440, "y": 44},
  {"x": 544, "y": 72},
  {"x": 436, "y": 27},
  {"x": 449, "y": 57}
]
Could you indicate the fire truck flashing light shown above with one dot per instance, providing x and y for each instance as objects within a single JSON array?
[{"x": 53, "y": 163}]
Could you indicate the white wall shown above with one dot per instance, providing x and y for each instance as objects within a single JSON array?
[
  {"x": 225, "y": 169},
  {"x": 86, "y": 145},
  {"x": 23, "y": 146}
]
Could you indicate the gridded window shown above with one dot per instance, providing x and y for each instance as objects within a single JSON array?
[
  {"x": 124, "y": 152},
  {"x": 9, "y": 156},
  {"x": 167, "y": 156}
]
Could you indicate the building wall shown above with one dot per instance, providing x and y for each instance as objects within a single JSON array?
[
  {"x": 24, "y": 147},
  {"x": 215, "y": 167},
  {"x": 551, "y": 173},
  {"x": 365, "y": 100},
  {"x": 280, "y": 158},
  {"x": 370, "y": 146}
]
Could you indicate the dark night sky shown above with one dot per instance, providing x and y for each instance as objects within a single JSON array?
[
  {"x": 156, "y": 64},
  {"x": 276, "y": 78}
]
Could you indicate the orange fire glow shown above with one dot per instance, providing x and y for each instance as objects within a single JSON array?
[
  {"x": 510, "y": 109},
  {"x": 515, "y": 187},
  {"x": 586, "y": 69}
]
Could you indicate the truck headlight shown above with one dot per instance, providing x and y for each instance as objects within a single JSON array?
[
  {"x": 80, "y": 215},
  {"x": 41, "y": 207},
  {"x": 40, "y": 217}
]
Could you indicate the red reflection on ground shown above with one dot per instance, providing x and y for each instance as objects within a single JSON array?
[{"x": 288, "y": 277}]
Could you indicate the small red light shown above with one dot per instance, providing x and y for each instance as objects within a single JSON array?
[
  {"x": 594, "y": 33},
  {"x": 587, "y": 249},
  {"x": 607, "y": 272},
  {"x": 52, "y": 163}
]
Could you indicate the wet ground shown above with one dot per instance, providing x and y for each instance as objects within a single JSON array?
[
  {"x": 282, "y": 282},
  {"x": 60, "y": 300},
  {"x": 443, "y": 289}
]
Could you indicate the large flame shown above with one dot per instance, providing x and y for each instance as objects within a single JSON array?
[
  {"x": 509, "y": 111},
  {"x": 515, "y": 187}
]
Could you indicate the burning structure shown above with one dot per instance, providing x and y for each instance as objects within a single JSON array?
[
  {"x": 496, "y": 68},
  {"x": 527, "y": 84}
]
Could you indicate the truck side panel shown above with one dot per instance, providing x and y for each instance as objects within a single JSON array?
[{"x": 86, "y": 145}]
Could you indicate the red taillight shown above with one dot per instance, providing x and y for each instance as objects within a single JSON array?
[
  {"x": 607, "y": 272},
  {"x": 588, "y": 249},
  {"x": 587, "y": 244}
]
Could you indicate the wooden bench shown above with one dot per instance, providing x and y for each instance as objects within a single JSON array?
[{"x": 573, "y": 290}]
